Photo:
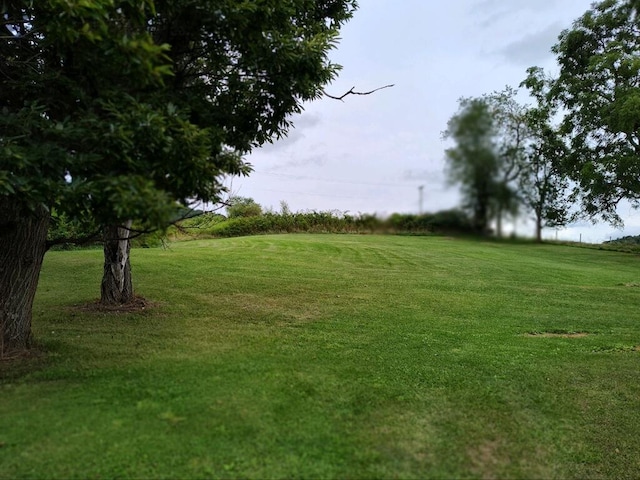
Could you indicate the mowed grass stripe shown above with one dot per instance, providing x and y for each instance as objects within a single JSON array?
[{"x": 334, "y": 356}]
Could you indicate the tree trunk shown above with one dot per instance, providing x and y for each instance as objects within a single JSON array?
[
  {"x": 116, "y": 288},
  {"x": 499, "y": 223},
  {"x": 481, "y": 216},
  {"x": 23, "y": 243},
  {"x": 538, "y": 229}
]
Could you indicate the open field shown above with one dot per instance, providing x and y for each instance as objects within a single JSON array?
[{"x": 333, "y": 356}]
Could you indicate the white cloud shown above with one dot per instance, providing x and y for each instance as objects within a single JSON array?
[
  {"x": 296, "y": 133},
  {"x": 534, "y": 48}
]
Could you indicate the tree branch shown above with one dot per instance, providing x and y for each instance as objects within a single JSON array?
[
  {"x": 82, "y": 240},
  {"x": 190, "y": 213},
  {"x": 353, "y": 92}
]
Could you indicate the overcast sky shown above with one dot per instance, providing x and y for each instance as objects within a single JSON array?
[{"x": 371, "y": 153}]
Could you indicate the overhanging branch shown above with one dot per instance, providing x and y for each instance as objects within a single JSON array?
[
  {"x": 190, "y": 213},
  {"x": 353, "y": 92},
  {"x": 80, "y": 240}
]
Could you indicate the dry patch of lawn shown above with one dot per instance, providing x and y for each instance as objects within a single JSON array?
[
  {"x": 138, "y": 304},
  {"x": 558, "y": 334}
]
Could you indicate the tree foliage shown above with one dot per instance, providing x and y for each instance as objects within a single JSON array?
[
  {"x": 65, "y": 72},
  {"x": 118, "y": 109},
  {"x": 511, "y": 135},
  {"x": 542, "y": 184},
  {"x": 599, "y": 87},
  {"x": 243, "y": 207},
  {"x": 474, "y": 160},
  {"x": 508, "y": 155}
]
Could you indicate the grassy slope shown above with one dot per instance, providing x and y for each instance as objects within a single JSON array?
[{"x": 334, "y": 356}]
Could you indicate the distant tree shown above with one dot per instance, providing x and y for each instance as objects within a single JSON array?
[
  {"x": 509, "y": 155},
  {"x": 543, "y": 186},
  {"x": 599, "y": 87},
  {"x": 243, "y": 207},
  {"x": 511, "y": 137},
  {"x": 118, "y": 110},
  {"x": 474, "y": 161},
  {"x": 284, "y": 208}
]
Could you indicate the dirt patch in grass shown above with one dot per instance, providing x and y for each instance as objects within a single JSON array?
[
  {"x": 138, "y": 304},
  {"x": 33, "y": 353},
  {"x": 558, "y": 334},
  {"x": 486, "y": 459}
]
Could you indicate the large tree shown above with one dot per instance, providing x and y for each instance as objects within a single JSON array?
[
  {"x": 502, "y": 120},
  {"x": 61, "y": 66},
  {"x": 240, "y": 69},
  {"x": 599, "y": 87},
  {"x": 474, "y": 161},
  {"x": 509, "y": 155},
  {"x": 542, "y": 184},
  {"x": 114, "y": 110},
  {"x": 511, "y": 136}
]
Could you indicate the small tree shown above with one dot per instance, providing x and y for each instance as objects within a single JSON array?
[
  {"x": 474, "y": 161},
  {"x": 243, "y": 207}
]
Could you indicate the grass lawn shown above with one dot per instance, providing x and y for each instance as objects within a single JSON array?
[{"x": 328, "y": 356}]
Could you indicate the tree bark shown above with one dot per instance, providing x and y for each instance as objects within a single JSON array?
[
  {"x": 539, "y": 228},
  {"x": 481, "y": 215},
  {"x": 499, "y": 223},
  {"x": 23, "y": 243},
  {"x": 116, "y": 288}
]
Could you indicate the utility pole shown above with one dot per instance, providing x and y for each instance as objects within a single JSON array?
[{"x": 420, "y": 190}]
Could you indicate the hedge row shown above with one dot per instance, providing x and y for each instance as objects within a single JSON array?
[
  {"x": 215, "y": 225},
  {"x": 449, "y": 221}
]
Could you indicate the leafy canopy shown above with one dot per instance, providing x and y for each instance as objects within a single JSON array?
[
  {"x": 116, "y": 109},
  {"x": 474, "y": 160},
  {"x": 243, "y": 207},
  {"x": 543, "y": 185},
  {"x": 599, "y": 86}
]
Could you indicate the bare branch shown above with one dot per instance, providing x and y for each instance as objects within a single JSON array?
[
  {"x": 190, "y": 213},
  {"x": 353, "y": 92},
  {"x": 80, "y": 241}
]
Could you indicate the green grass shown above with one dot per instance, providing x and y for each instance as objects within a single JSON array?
[{"x": 327, "y": 356}]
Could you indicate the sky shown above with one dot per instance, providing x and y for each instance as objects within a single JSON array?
[{"x": 370, "y": 154}]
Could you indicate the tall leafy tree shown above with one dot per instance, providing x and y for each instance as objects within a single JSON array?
[
  {"x": 509, "y": 156},
  {"x": 511, "y": 136},
  {"x": 542, "y": 184},
  {"x": 473, "y": 162},
  {"x": 63, "y": 68},
  {"x": 599, "y": 87},
  {"x": 240, "y": 69},
  {"x": 115, "y": 111}
]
